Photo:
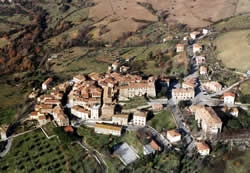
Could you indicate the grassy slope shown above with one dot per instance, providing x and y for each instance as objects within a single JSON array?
[
  {"x": 162, "y": 120},
  {"x": 231, "y": 55},
  {"x": 10, "y": 97},
  {"x": 245, "y": 87}
]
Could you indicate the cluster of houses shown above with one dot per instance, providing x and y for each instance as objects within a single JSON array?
[
  {"x": 49, "y": 106},
  {"x": 4, "y": 1},
  {"x": 93, "y": 98}
]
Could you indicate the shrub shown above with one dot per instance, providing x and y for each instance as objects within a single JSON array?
[
  {"x": 65, "y": 137},
  {"x": 245, "y": 98},
  {"x": 234, "y": 124},
  {"x": 64, "y": 8}
]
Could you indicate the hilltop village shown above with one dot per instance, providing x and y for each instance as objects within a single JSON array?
[
  {"x": 96, "y": 100},
  {"x": 198, "y": 106}
]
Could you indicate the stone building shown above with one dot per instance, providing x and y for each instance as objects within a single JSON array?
[
  {"x": 140, "y": 118},
  {"x": 202, "y": 148},
  {"x": 137, "y": 89},
  {"x": 183, "y": 94},
  {"x": 208, "y": 120},
  {"x": 80, "y": 112},
  {"x": 120, "y": 119},
  {"x": 60, "y": 118},
  {"x": 179, "y": 48},
  {"x": 46, "y": 84},
  {"x": 212, "y": 86},
  {"x": 108, "y": 111}
]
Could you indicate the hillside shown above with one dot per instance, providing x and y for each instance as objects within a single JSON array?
[{"x": 61, "y": 38}]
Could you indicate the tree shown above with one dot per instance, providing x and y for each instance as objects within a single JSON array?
[
  {"x": 150, "y": 55},
  {"x": 184, "y": 103},
  {"x": 65, "y": 137},
  {"x": 163, "y": 92},
  {"x": 245, "y": 98},
  {"x": 234, "y": 124},
  {"x": 64, "y": 8}
]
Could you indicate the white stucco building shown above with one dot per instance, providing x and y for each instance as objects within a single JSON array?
[
  {"x": 140, "y": 118},
  {"x": 173, "y": 136},
  {"x": 229, "y": 98}
]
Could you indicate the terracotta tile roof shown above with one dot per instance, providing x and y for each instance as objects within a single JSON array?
[
  {"x": 190, "y": 82},
  {"x": 157, "y": 106},
  {"x": 193, "y": 108},
  {"x": 42, "y": 117},
  {"x": 59, "y": 113},
  {"x": 80, "y": 109},
  {"x": 197, "y": 46},
  {"x": 43, "y": 106},
  {"x": 46, "y": 97},
  {"x": 140, "y": 114},
  {"x": 47, "y": 81},
  {"x": 234, "y": 110},
  {"x": 110, "y": 80},
  {"x": 51, "y": 101},
  {"x": 121, "y": 116},
  {"x": 212, "y": 84},
  {"x": 180, "y": 45},
  {"x": 201, "y": 146},
  {"x": 208, "y": 115},
  {"x": 173, "y": 133},
  {"x": 154, "y": 145},
  {"x": 34, "y": 113},
  {"x": 137, "y": 85},
  {"x": 195, "y": 33},
  {"x": 68, "y": 129},
  {"x": 229, "y": 94},
  {"x": 107, "y": 126},
  {"x": 103, "y": 84},
  {"x": 115, "y": 63},
  {"x": 80, "y": 77},
  {"x": 203, "y": 68},
  {"x": 95, "y": 76},
  {"x": 96, "y": 94}
]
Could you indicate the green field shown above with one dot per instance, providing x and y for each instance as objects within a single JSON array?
[
  {"x": 245, "y": 88},
  {"x": 162, "y": 120},
  {"x": 33, "y": 152},
  {"x": 10, "y": 97}
]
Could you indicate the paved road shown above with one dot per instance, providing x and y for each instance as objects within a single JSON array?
[
  {"x": 159, "y": 137},
  {"x": 229, "y": 88},
  {"x": 7, "y": 147},
  {"x": 96, "y": 155}
]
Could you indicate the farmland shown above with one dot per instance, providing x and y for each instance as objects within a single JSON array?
[
  {"x": 35, "y": 153},
  {"x": 229, "y": 53},
  {"x": 118, "y": 16}
]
